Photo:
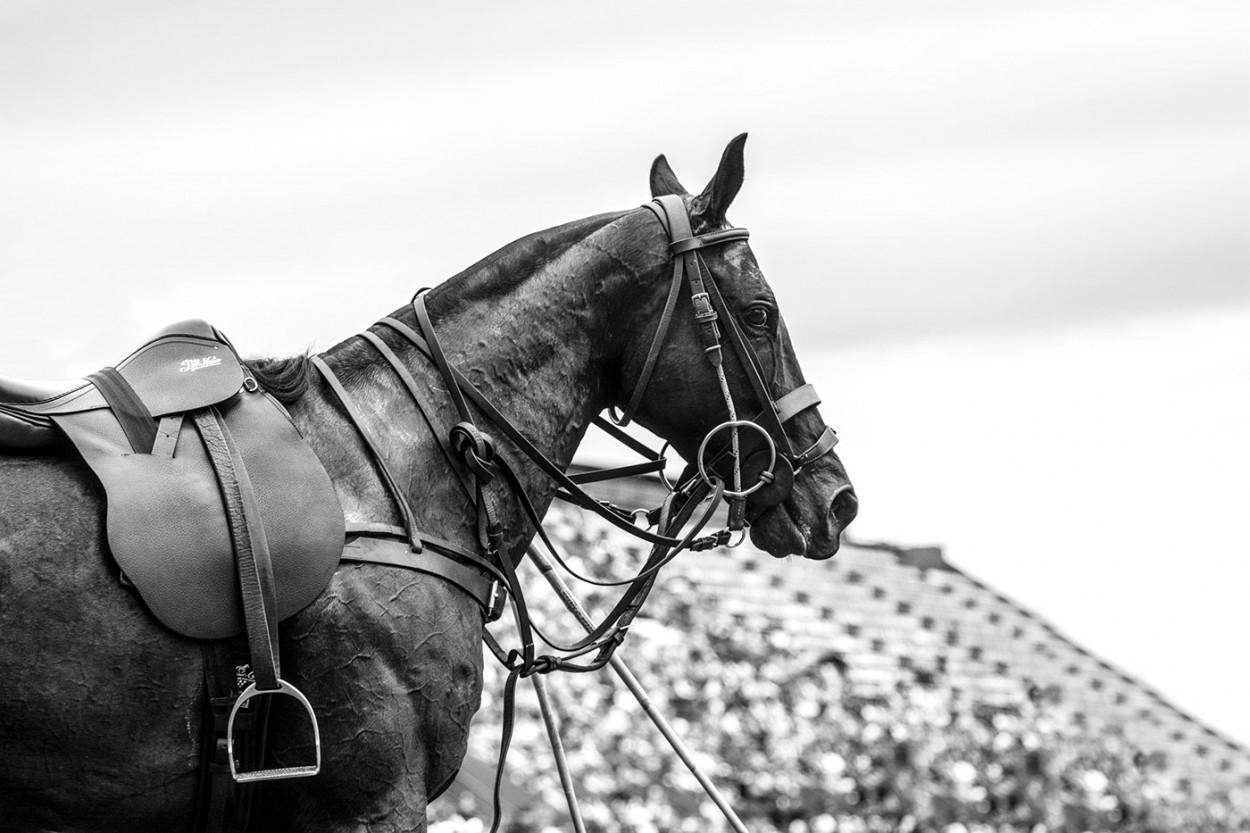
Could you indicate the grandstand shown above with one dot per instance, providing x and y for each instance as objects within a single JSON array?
[
  {"x": 894, "y": 622},
  {"x": 893, "y": 612}
]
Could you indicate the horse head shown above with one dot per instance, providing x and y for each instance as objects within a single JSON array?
[{"x": 805, "y": 499}]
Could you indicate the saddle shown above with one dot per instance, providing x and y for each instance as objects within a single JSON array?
[
  {"x": 218, "y": 513},
  {"x": 196, "y": 463}
]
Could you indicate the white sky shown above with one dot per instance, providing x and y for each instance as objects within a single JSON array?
[{"x": 1012, "y": 241}]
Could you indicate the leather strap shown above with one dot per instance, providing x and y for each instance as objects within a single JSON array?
[
  {"x": 579, "y": 495},
  {"x": 823, "y": 445},
  {"x": 251, "y": 550},
  {"x": 796, "y": 402},
  {"x": 657, "y": 343},
  {"x": 397, "y": 553},
  {"x": 435, "y": 352},
  {"x": 751, "y": 369},
  {"x": 135, "y": 418},
  {"x": 671, "y": 213},
  {"x": 410, "y": 384},
  {"x": 166, "y": 441},
  {"x": 625, "y": 439},
  {"x": 417, "y": 540},
  {"x": 375, "y": 450},
  {"x": 634, "y": 470},
  {"x": 222, "y": 805},
  {"x": 431, "y": 542},
  {"x": 712, "y": 238}
]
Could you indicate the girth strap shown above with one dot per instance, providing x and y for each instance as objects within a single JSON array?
[{"x": 222, "y": 806}]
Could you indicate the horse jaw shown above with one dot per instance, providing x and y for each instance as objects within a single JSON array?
[{"x": 809, "y": 522}]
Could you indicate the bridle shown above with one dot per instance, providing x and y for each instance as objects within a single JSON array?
[
  {"x": 491, "y": 574},
  {"x": 775, "y": 480}
]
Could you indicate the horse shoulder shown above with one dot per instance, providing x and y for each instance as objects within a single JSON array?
[{"x": 392, "y": 661}]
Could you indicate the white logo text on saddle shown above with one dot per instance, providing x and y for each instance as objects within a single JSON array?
[{"x": 192, "y": 365}]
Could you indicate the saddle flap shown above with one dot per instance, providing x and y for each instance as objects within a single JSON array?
[{"x": 166, "y": 522}]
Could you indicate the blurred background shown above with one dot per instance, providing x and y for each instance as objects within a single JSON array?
[{"x": 1011, "y": 240}]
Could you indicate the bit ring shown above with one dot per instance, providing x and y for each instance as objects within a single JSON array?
[{"x": 739, "y": 423}]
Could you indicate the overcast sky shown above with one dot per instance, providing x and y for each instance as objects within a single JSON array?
[{"x": 1012, "y": 240}]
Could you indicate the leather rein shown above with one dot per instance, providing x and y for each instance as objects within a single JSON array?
[{"x": 489, "y": 575}]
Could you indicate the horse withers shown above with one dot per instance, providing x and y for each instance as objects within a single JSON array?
[{"x": 102, "y": 707}]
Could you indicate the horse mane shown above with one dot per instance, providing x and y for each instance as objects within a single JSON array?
[{"x": 288, "y": 379}]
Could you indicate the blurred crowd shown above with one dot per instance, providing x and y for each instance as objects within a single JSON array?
[{"x": 796, "y": 746}]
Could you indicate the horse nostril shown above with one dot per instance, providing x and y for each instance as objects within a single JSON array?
[{"x": 844, "y": 506}]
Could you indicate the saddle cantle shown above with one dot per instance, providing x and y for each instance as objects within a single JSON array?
[{"x": 155, "y": 429}]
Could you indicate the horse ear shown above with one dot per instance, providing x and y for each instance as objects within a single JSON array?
[
  {"x": 710, "y": 207},
  {"x": 663, "y": 180}
]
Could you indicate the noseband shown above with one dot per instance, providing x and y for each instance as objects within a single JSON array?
[{"x": 714, "y": 320}]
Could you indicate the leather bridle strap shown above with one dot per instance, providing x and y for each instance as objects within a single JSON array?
[
  {"x": 750, "y": 367},
  {"x": 712, "y": 310},
  {"x": 686, "y": 263},
  {"x": 657, "y": 342},
  {"x": 796, "y": 402},
  {"x": 456, "y": 380},
  {"x": 478, "y": 453}
]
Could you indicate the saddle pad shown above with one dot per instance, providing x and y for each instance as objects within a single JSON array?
[{"x": 166, "y": 520}]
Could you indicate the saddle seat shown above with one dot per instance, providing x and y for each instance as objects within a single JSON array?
[
  {"x": 154, "y": 430},
  {"x": 27, "y": 391}
]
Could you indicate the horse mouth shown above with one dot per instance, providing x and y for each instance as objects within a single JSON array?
[{"x": 786, "y": 529}]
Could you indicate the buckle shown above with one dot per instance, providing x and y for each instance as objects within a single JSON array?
[
  {"x": 497, "y": 602},
  {"x": 703, "y": 309},
  {"x": 278, "y": 772}
]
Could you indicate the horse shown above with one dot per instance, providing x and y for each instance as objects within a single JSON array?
[{"x": 102, "y": 708}]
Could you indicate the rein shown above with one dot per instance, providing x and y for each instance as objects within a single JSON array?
[{"x": 482, "y": 465}]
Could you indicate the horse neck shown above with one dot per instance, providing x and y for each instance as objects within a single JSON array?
[{"x": 535, "y": 327}]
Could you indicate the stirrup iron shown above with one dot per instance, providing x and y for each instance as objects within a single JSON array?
[{"x": 278, "y": 772}]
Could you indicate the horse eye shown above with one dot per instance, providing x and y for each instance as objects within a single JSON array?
[{"x": 756, "y": 316}]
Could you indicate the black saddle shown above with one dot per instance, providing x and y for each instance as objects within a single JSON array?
[{"x": 151, "y": 429}]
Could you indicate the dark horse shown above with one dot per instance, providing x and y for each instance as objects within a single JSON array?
[{"x": 101, "y": 707}]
